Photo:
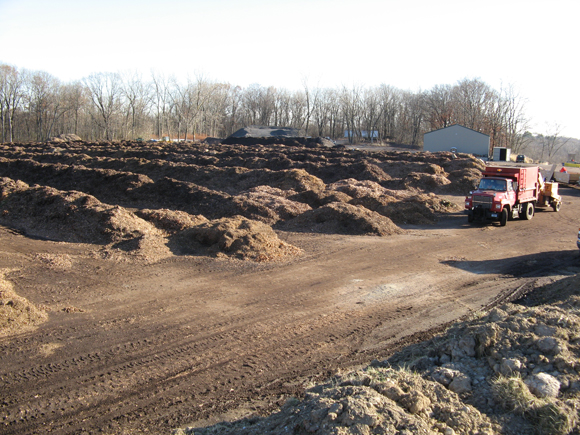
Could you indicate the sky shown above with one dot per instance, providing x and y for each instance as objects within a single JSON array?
[{"x": 413, "y": 45}]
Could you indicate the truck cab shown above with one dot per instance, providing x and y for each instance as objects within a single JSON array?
[
  {"x": 493, "y": 197},
  {"x": 496, "y": 185}
]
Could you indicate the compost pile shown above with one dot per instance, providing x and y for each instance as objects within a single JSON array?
[
  {"x": 17, "y": 314},
  {"x": 512, "y": 370},
  {"x": 148, "y": 201}
]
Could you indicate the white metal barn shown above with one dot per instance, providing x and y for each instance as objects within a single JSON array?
[{"x": 464, "y": 139}]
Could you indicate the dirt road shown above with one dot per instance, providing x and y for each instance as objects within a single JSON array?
[{"x": 130, "y": 348}]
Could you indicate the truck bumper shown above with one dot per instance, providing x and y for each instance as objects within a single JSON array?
[{"x": 479, "y": 213}]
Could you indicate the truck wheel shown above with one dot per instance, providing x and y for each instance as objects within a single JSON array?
[
  {"x": 503, "y": 218},
  {"x": 556, "y": 206},
  {"x": 527, "y": 210}
]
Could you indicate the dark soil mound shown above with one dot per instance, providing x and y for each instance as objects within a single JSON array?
[
  {"x": 318, "y": 198},
  {"x": 463, "y": 180},
  {"x": 170, "y": 221},
  {"x": 298, "y": 180},
  {"x": 75, "y": 217},
  {"x": 107, "y": 184},
  {"x": 425, "y": 182},
  {"x": 286, "y": 141},
  {"x": 262, "y": 131},
  {"x": 65, "y": 138},
  {"x": 212, "y": 140},
  {"x": 358, "y": 189},
  {"x": 236, "y": 237},
  {"x": 344, "y": 218},
  {"x": 186, "y": 196},
  {"x": 269, "y": 204},
  {"x": 8, "y": 185},
  {"x": 402, "y": 206},
  {"x": 417, "y": 209}
]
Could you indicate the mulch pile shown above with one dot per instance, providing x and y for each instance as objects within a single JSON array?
[
  {"x": 344, "y": 218},
  {"x": 134, "y": 197},
  {"x": 236, "y": 237}
]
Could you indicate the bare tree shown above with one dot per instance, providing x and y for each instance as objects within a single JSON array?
[
  {"x": 439, "y": 106},
  {"x": 45, "y": 103},
  {"x": 232, "y": 121},
  {"x": 326, "y": 114},
  {"x": 160, "y": 101},
  {"x": 214, "y": 110},
  {"x": 250, "y": 105},
  {"x": 332, "y": 108},
  {"x": 411, "y": 117},
  {"x": 283, "y": 108},
  {"x": 297, "y": 109},
  {"x": 76, "y": 100},
  {"x": 551, "y": 143},
  {"x": 191, "y": 103},
  {"x": 371, "y": 112},
  {"x": 321, "y": 114},
  {"x": 105, "y": 92},
  {"x": 351, "y": 104},
  {"x": 470, "y": 101},
  {"x": 494, "y": 117},
  {"x": 390, "y": 106},
  {"x": 311, "y": 99},
  {"x": 267, "y": 106},
  {"x": 11, "y": 82},
  {"x": 515, "y": 121},
  {"x": 137, "y": 94}
]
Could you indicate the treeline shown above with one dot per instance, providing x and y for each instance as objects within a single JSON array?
[{"x": 35, "y": 105}]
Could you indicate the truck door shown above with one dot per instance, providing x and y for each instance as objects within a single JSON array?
[{"x": 511, "y": 193}]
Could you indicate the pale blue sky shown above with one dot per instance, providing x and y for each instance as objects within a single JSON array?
[{"x": 409, "y": 44}]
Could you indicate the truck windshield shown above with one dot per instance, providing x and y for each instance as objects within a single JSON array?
[{"x": 491, "y": 184}]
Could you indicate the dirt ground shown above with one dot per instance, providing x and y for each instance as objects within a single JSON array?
[{"x": 145, "y": 345}]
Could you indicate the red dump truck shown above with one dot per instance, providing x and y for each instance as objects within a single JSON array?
[{"x": 506, "y": 193}]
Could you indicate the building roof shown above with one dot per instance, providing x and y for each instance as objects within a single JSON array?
[{"x": 457, "y": 125}]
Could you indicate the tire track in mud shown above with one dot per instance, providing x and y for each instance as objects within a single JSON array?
[
  {"x": 113, "y": 382},
  {"x": 184, "y": 371}
]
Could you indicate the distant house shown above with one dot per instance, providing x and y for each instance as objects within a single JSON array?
[
  {"x": 363, "y": 133},
  {"x": 461, "y": 139}
]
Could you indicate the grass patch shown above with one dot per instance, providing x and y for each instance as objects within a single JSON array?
[
  {"x": 548, "y": 417},
  {"x": 513, "y": 395}
]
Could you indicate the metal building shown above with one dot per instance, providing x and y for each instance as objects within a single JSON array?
[{"x": 461, "y": 139}]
